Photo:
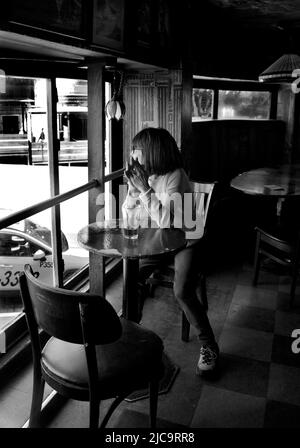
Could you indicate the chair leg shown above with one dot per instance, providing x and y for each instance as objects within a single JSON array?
[
  {"x": 94, "y": 412},
  {"x": 152, "y": 282},
  {"x": 111, "y": 409},
  {"x": 185, "y": 328},
  {"x": 153, "y": 398},
  {"x": 151, "y": 290},
  {"x": 257, "y": 260},
  {"x": 37, "y": 400}
]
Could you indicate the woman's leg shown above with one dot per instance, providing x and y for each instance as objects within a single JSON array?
[{"x": 187, "y": 267}]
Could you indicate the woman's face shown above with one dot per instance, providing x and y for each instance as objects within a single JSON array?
[{"x": 137, "y": 155}]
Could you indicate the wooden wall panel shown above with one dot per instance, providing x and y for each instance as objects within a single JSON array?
[
  {"x": 224, "y": 148},
  {"x": 162, "y": 94},
  {"x": 131, "y": 120},
  {"x": 152, "y": 99},
  {"x": 177, "y": 113}
]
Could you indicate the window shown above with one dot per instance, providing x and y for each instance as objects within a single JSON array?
[
  {"x": 202, "y": 104},
  {"x": 71, "y": 122},
  {"x": 22, "y": 184},
  {"x": 229, "y": 99},
  {"x": 244, "y": 104},
  {"x": 24, "y": 156}
]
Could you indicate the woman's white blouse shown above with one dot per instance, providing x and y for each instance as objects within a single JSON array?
[{"x": 169, "y": 203}]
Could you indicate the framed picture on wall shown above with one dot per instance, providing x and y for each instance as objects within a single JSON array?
[
  {"x": 163, "y": 24},
  {"x": 60, "y": 16},
  {"x": 108, "y": 23},
  {"x": 144, "y": 15}
]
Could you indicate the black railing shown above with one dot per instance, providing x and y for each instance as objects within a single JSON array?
[{"x": 44, "y": 205}]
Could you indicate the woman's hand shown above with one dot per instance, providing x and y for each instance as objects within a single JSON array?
[
  {"x": 131, "y": 187},
  {"x": 137, "y": 176}
]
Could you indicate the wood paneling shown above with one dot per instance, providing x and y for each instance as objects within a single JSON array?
[
  {"x": 152, "y": 99},
  {"x": 61, "y": 16},
  {"x": 224, "y": 148}
]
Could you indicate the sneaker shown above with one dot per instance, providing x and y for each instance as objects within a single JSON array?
[{"x": 207, "y": 360}]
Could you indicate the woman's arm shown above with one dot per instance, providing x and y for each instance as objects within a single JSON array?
[
  {"x": 133, "y": 192},
  {"x": 166, "y": 207}
]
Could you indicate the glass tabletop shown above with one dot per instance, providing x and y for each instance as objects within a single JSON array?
[{"x": 107, "y": 238}]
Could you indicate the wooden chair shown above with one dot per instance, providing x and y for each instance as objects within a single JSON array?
[
  {"x": 202, "y": 193},
  {"x": 92, "y": 354},
  {"x": 283, "y": 248}
]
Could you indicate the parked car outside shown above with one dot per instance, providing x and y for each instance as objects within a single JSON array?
[{"x": 28, "y": 242}]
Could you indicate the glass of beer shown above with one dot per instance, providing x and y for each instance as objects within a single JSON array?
[{"x": 131, "y": 221}]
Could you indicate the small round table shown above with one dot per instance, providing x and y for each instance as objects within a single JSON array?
[
  {"x": 107, "y": 239},
  {"x": 281, "y": 182}
]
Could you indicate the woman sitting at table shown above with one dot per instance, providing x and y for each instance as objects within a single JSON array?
[{"x": 155, "y": 174}]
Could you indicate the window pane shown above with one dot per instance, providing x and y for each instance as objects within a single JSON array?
[
  {"x": 23, "y": 133},
  {"x": 73, "y": 170},
  {"x": 202, "y": 104},
  {"x": 72, "y": 113},
  {"x": 72, "y": 110},
  {"x": 71, "y": 123},
  {"x": 25, "y": 242},
  {"x": 242, "y": 104},
  {"x": 74, "y": 216}
]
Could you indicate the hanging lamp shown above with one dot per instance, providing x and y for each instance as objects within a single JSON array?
[
  {"x": 282, "y": 70},
  {"x": 115, "y": 107}
]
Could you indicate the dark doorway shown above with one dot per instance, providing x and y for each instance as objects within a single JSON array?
[
  {"x": 10, "y": 124},
  {"x": 78, "y": 126}
]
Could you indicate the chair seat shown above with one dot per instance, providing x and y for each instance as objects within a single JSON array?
[{"x": 120, "y": 368}]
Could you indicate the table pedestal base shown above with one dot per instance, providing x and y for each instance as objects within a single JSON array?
[
  {"x": 130, "y": 310},
  {"x": 171, "y": 371},
  {"x": 130, "y": 289}
]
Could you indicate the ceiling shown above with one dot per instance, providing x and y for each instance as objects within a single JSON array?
[
  {"x": 243, "y": 37},
  {"x": 261, "y": 13},
  {"x": 230, "y": 38}
]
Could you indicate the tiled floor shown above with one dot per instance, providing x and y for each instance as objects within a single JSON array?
[{"x": 259, "y": 381}]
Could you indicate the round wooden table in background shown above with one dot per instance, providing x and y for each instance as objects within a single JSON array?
[{"x": 281, "y": 182}]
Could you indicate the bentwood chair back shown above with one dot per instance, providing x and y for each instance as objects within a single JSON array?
[
  {"x": 92, "y": 354},
  {"x": 282, "y": 248},
  {"x": 202, "y": 194}
]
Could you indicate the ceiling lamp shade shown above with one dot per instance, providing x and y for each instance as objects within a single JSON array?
[{"x": 282, "y": 69}]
